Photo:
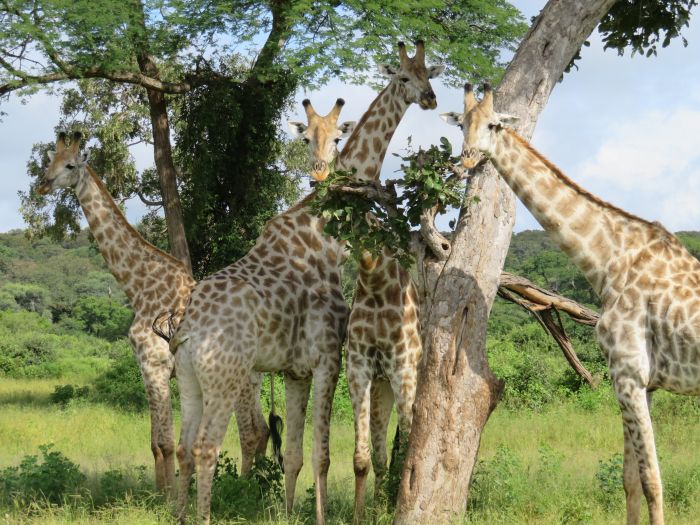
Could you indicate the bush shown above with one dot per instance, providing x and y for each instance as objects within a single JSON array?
[
  {"x": 495, "y": 482},
  {"x": 62, "y": 394},
  {"x": 234, "y": 496},
  {"x": 50, "y": 479},
  {"x": 103, "y": 317},
  {"x": 609, "y": 477},
  {"x": 121, "y": 385}
]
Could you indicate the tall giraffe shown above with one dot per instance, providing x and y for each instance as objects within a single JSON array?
[
  {"x": 384, "y": 344},
  {"x": 279, "y": 308},
  {"x": 648, "y": 284},
  {"x": 152, "y": 280}
]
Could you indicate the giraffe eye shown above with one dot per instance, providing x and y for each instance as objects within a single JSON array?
[
  {"x": 336, "y": 140},
  {"x": 70, "y": 166},
  {"x": 404, "y": 79},
  {"x": 306, "y": 141}
]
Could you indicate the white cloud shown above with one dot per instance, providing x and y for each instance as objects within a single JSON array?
[{"x": 647, "y": 152}]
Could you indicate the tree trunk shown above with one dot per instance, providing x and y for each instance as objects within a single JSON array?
[
  {"x": 456, "y": 389},
  {"x": 163, "y": 155}
]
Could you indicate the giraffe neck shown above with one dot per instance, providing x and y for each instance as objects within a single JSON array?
[
  {"x": 126, "y": 253},
  {"x": 587, "y": 229},
  {"x": 367, "y": 146}
]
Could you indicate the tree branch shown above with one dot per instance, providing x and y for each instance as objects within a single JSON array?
[
  {"x": 148, "y": 202},
  {"x": 541, "y": 303}
]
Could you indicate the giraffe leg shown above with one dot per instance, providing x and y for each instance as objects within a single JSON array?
[
  {"x": 403, "y": 384},
  {"x": 218, "y": 408},
  {"x": 639, "y": 440},
  {"x": 325, "y": 381},
  {"x": 156, "y": 364},
  {"x": 382, "y": 402},
  {"x": 191, "y": 407},
  {"x": 248, "y": 430},
  {"x": 297, "y": 394},
  {"x": 360, "y": 395},
  {"x": 260, "y": 428}
]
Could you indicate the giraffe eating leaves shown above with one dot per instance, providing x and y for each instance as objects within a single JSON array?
[
  {"x": 384, "y": 344},
  {"x": 648, "y": 284},
  {"x": 153, "y": 281},
  {"x": 279, "y": 308}
]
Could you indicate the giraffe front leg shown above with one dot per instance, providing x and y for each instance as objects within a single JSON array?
[
  {"x": 156, "y": 364},
  {"x": 382, "y": 402},
  {"x": 325, "y": 380},
  {"x": 639, "y": 442},
  {"x": 297, "y": 395}
]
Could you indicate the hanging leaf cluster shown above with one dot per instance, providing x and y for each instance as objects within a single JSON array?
[{"x": 373, "y": 218}]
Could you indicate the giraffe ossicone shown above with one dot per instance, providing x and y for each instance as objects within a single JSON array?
[{"x": 648, "y": 284}]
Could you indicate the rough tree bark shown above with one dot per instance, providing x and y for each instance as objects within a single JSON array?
[
  {"x": 457, "y": 390},
  {"x": 162, "y": 150}
]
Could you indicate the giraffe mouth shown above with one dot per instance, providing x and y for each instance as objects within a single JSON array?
[{"x": 43, "y": 188}]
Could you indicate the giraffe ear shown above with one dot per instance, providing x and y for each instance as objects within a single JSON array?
[
  {"x": 347, "y": 128},
  {"x": 51, "y": 155},
  {"x": 452, "y": 118},
  {"x": 387, "y": 70},
  {"x": 297, "y": 128},
  {"x": 435, "y": 71},
  {"x": 503, "y": 119},
  {"x": 83, "y": 158}
]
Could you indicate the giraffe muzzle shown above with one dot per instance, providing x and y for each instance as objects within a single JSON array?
[{"x": 43, "y": 188}]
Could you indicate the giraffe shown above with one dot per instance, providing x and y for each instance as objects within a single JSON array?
[
  {"x": 152, "y": 280},
  {"x": 648, "y": 284},
  {"x": 292, "y": 249},
  {"x": 384, "y": 344},
  {"x": 279, "y": 308}
]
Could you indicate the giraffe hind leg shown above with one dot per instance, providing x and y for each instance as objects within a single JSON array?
[
  {"x": 382, "y": 401},
  {"x": 191, "y": 406},
  {"x": 636, "y": 419},
  {"x": 297, "y": 396}
]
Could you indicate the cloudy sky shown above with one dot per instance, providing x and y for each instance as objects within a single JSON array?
[{"x": 625, "y": 128}]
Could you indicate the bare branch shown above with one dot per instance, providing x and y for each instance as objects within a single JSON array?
[
  {"x": 541, "y": 303},
  {"x": 148, "y": 202}
]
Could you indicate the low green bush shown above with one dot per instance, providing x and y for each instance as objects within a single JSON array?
[
  {"x": 236, "y": 497},
  {"x": 50, "y": 479},
  {"x": 609, "y": 477},
  {"x": 63, "y": 394}
]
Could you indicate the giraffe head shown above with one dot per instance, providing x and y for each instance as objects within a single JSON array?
[
  {"x": 322, "y": 134},
  {"x": 480, "y": 125},
  {"x": 66, "y": 166},
  {"x": 413, "y": 76}
]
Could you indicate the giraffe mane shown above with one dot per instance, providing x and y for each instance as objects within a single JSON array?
[
  {"x": 358, "y": 127},
  {"x": 573, "y": 185},
  {"x": 120, "y": 215}
]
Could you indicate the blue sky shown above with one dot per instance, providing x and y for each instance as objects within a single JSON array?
[{"x": 625, "y": 128}]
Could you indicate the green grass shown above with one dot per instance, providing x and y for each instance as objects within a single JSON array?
[{"x": 534, "y": 467}]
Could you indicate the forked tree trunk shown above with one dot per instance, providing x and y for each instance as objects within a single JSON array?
[{"x": 456, "y": 390}]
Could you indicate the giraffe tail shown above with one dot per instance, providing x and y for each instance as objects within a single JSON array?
[
  {"x": 276, "y": 426},
  {"x": 164, "y": 325}
]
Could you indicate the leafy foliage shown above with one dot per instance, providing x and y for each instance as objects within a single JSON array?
[
  {"x": 230, "y": 149},
  {"x": 643, "y": 26},
  {"x": 121, "y": 384},
  {"x": 51, "y": 478},
  {"x": 103, "y": 317},
  {"x": 234, "y": 496},
  {"x": 367, "y": 223},
  {"x": 609, "y": 478}
]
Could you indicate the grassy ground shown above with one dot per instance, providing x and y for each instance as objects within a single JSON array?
[{"x": 535, "y": 467}]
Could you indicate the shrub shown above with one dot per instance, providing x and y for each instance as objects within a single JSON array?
[
  {"x": 495, "y": 482},
  {"x": 62, "y": 394},
  {"x": 609, "y": 477},
  {"x": 234, "y": 496},
  {"x": 103, "y": 317},
  {"x": 50, "y": 479},
  {"x": 121, "y": 385}
]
